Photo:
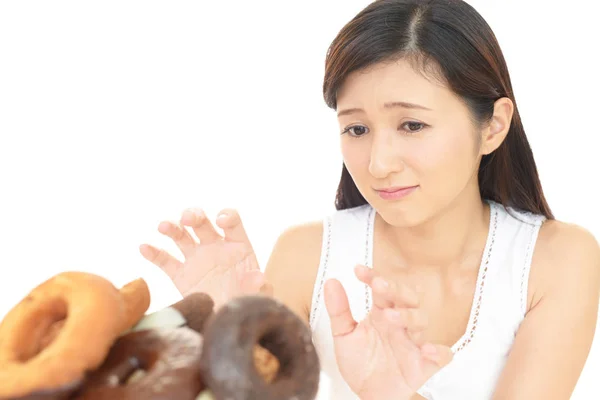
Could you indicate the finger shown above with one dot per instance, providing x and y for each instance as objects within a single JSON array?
[
  {"x": 417, "y": 337},
  {"x": 229, "y": 220},
  {"x": 169, "y": 264},
  {"x": 411, "y": 319},
  {"x": 378, "y": 285},
  {"x": 338, "y": 308},
  {"x": 382, "y": 296},
  {"x": 179, "y": 235},
  {"x": 438, "y": 354},
  {"x": 399, "y": 295},
  {"x": 267, "y": 289},
  {"x": 252, "y": 282},
  {"x": 385, "y": 293},
  {"x": 197, "y": 220},
  {"x": 364, "y": 274}
]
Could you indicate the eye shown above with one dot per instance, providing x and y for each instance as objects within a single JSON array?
[
  {"x": 413, "y": 126},
  {"x": 356, "y": 130}
]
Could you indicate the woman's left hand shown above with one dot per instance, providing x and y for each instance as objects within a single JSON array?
[{"x": 384, "y": 355}]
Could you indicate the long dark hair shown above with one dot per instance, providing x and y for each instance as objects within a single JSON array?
[{"x": 465, "y": 51}]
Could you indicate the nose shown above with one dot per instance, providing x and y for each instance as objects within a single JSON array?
[{"x": 386, "y": 156}]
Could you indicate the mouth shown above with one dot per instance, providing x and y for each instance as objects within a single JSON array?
[
  {"x": 395, "y": 189},
  {"x": 395, "y": 192}
]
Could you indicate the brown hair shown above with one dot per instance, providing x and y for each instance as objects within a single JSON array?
[{"x": 464, "y": 50}]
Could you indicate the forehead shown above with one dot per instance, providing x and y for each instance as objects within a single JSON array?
[{"x": 393, "y": 81}]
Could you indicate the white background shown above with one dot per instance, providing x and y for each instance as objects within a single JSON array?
[{"x": 115, "y": 115}]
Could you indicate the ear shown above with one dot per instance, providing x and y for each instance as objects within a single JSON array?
[{"x": 495, "y": 132}]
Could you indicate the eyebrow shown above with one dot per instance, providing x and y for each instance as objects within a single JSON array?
[{"x": 394, "y": 104}]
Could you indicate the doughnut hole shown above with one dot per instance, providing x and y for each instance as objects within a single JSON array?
[
  {"x": 266, "y": 364},
  {"x": 273, "y": 358},
  {"x": 44, "y": 324}
]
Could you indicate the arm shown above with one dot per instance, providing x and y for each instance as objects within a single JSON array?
[
  {"x": 292, "y": 266},
  {"x": 553, "y": 342}
]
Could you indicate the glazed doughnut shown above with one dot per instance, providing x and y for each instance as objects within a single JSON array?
[
  {"x": 136, "y": 297},
  {"x": 62, "y": 329},
  {"x": 149, "y": 364},
  {"x": 229, "y": 361}
]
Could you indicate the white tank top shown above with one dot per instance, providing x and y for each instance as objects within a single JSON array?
[{"x": 499, "y": 304}]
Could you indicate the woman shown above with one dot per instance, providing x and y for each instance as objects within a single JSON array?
[{"x": 465, "y": 286}]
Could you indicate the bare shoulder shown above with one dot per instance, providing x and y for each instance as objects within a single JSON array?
[
  {"x": 566, "y": 258},
  {"x": 293, "y": 265},
  {"x": 554, "y": 339}
]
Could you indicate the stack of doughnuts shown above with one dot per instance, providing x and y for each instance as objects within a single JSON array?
[{"x": 78, "y": 337}]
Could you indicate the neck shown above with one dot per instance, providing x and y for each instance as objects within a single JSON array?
[{"x": 449, "y": 239}]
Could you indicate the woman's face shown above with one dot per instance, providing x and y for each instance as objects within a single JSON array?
[{"x": 402, "y": 130}]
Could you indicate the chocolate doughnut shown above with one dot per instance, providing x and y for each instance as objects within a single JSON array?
[
  {"x": 196, "y": 308},
  {"x": 192, "y": 311},
  {"x": 59, "y": 393},
  {"x": 149, "y": 364},
  {"x": 230, "y": 340}
]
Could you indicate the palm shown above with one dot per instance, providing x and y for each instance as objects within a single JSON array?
[
  {"x": 383, "y": 356},
  {"x": 221, "y": 266},
  {"x": 373, "y": 355},
  {"x": 222, "y": 269}
]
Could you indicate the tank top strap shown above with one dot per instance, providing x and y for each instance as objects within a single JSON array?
[
  {"x": 347, "y": 242},
  {"x": 518, "y": 234}
]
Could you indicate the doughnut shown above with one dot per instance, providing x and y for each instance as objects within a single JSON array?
[
  {"x": 196, "y": 308},
  {"x": 62, "y": 393},
  {"x": 136, "y": 297},
  {"x": 194, "y": 311},
  {"x": 62, "y": 329},
  {"x": 231, "y": 337},
  {"x": 149, "y": 364}
]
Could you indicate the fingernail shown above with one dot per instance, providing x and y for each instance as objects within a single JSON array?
[
  {"x": 188, "y": 215},
  {"x": 382, "y": 283},
  {"x": 222, "y": 215}
]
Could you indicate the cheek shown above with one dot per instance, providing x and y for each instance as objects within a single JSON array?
[
  {"x": 443, "y": 161},
  {"x": 356, "y": 157}
]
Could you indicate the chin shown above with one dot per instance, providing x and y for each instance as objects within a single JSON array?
[
  {"x": 398, "y": 220},
  {"x": 400, "y": 214}
]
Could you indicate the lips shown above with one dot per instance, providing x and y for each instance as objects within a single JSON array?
[
  {"x": 396, "y": 192},
  {"x": 395, "y": 189}
]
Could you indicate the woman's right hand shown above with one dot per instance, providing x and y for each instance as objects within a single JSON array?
[
  {"x": 223, "y": 266},
  {"x": 384, "y": 356}
]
